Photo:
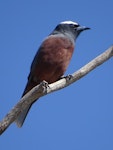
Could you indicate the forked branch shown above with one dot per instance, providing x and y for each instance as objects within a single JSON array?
[{"x": 43, "y": 89}]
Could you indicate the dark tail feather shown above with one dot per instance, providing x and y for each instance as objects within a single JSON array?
[{"x": 22, "y": 116}]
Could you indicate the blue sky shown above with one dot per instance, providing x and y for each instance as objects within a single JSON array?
[{"x": 77, "y": 117}]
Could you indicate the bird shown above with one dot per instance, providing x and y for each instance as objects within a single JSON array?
[{"x": 52, "y": 58}]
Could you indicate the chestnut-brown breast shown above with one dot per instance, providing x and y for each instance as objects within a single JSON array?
[{"x": 51, "y": 61}]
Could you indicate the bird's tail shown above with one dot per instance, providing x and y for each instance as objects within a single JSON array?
[{"x": 22, "y": 116}]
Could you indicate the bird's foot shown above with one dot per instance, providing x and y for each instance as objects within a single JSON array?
[
  {"x": 45, "y": 85},
  {"x": 68, "y": 77}
]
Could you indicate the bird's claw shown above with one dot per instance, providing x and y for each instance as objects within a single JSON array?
[
  {"x": 45, "y": 84},
  {"x": 68, "y": 77}
]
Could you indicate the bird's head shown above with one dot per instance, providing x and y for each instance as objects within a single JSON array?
[{"x": 69, "y": 28}]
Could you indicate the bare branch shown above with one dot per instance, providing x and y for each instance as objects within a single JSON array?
[{"x": 43, "y": 89}]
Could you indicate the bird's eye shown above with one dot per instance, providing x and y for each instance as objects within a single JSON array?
[{"x": 75, "y": 25}]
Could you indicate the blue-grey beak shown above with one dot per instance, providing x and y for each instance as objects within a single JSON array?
[{"x": 82, "y": 28}]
